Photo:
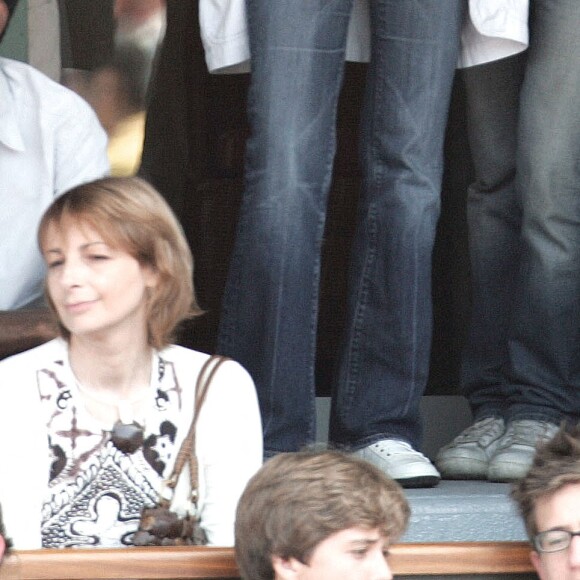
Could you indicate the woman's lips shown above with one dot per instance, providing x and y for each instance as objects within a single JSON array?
[{"x": 79, "y": 307}]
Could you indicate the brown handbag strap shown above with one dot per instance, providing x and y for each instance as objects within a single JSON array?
[{"x": 186, "y": 452}]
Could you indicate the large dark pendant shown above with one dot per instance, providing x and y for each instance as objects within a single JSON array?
[{"x": 127, "y": 437}]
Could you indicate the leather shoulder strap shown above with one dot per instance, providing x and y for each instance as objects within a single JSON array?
[{"x": 187, "y": 450}]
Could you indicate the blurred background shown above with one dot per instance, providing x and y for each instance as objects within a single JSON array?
[{"x": 106, "y": 51}]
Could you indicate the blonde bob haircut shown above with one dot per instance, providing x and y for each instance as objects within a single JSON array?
[
  {"x": 297, "y": 500},
  {"x": 131, "y": 215}
]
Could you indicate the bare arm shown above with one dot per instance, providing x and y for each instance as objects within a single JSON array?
[{"x": 24, "y": 329}]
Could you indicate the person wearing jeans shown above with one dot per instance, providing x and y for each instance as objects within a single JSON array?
[
  {"x": 270, "y": 304},
  {"x": 521, "y": 368}
]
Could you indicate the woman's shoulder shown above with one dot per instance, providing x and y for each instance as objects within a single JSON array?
[
  {"x": 190, "y": 362},
  {"x": 18, "y": 377},
  {"x": 33, "y": 358},
  {"x": 180, "y": 354}
]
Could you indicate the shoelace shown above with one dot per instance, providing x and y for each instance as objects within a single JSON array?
[
  {"x": 482, "y": 432},
  {"x": 528, "y": 432},
  {"x": 395, "y": 448}
]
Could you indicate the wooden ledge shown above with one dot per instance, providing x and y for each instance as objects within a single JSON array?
[
  {"x": 461, "y": 558},
  {"x": 206, "y": 562}
]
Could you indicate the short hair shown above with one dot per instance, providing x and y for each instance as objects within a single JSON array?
[
  {"x": 297, "y": 500},
  {"x": 556, "y": 464},
  {"x": 131, "y": 215}
]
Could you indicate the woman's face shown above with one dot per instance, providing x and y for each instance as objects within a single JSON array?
[{"x": 98, "y": 291}]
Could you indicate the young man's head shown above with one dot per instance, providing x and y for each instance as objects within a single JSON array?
[
  {"x": 549, "y": 501},
  {"x": 318, "y": 515}
]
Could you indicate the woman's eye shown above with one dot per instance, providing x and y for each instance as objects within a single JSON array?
[
  {"x": 54, "y": 263},
  {"x": 98, "y": 257},
  {"x": 359, "y": 553}
]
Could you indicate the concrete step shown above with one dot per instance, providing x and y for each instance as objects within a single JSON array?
[
  {"x": 464, "y": 511},
  {"x": 454, "y": 511}
]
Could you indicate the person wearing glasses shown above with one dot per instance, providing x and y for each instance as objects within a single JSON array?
[
  {"x": 548, "y": 498},
  {"x": 91, "y": 422}
]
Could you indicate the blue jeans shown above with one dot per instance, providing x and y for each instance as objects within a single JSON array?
[
  {"x": 269, "y": 316},
  {"x": 522, "y": 359}
]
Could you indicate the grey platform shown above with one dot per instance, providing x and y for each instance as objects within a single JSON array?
[
  {"x": 454, "y": 511},
  {"x": 463, "y": 511}
]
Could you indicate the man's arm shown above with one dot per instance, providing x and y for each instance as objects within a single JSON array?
[{"x": 24, "y": 329}]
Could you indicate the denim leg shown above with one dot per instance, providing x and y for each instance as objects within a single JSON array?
[
  {"x": 545, "y": 339},
  {"x": 493, "y": 214},
  {"x": 269, "y": 315},
  {"x": 385, "y": 359}
]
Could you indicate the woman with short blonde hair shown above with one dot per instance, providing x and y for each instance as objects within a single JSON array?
[{"x": 91, "y": 423}]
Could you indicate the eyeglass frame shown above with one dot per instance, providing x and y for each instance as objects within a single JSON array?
[{"x": 567, "y": 533}]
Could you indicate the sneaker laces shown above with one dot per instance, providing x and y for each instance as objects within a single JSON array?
[
  {"x": 528, "y": 432},
  {"x": 394, "y": 447},
  {"x": 483, "y": 432}
]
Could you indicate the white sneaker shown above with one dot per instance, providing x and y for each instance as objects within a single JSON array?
[
  {"x": 401, "y": 462},
  {"x": 469, "y": 454},
  {"x": 515, "y": 451}
]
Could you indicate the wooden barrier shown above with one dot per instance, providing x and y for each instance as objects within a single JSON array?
[{"x": 204, "y": 562}]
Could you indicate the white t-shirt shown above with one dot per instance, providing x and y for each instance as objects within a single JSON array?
[
  {"x": 33, "y": 480},
  {"x": 50, "y": 141}
]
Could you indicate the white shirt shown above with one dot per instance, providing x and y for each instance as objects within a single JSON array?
[
  {"x": 493, "y": 29},
  {"x": 50, "y": 141},
  {"x": 224, "y": 35},
  {"x": 228, "y": 440}
]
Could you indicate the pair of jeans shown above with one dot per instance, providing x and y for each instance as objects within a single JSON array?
[
  {"x": 269, "y": 316},
  {"x": 522, "y": 359}
]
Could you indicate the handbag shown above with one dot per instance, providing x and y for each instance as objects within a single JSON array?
[{"x": 159, "y": 525}]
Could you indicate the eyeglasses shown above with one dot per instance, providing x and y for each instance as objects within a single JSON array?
[{"x": 553, "y": 540}]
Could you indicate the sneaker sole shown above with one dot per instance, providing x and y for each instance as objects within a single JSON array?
[
  {"x": 418, "y": 481},
  {"x": 411, "y": 475},
  {"x": 506, "y": 472},
  {"x": 462, "y": 470}
]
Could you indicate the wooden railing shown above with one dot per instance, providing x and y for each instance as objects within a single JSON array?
[{"x": 204, "y": 563}]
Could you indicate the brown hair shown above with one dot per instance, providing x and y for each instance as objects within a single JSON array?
[
  {"x": 297, "y": 500},
  {"x": 131, "y": 215},
  {"x": 556, "y": 464}
]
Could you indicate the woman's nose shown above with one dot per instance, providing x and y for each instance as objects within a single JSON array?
[{"x": 71, "y": 273}]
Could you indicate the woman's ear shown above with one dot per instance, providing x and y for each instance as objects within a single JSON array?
[{"x": 150, "y": 274}]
